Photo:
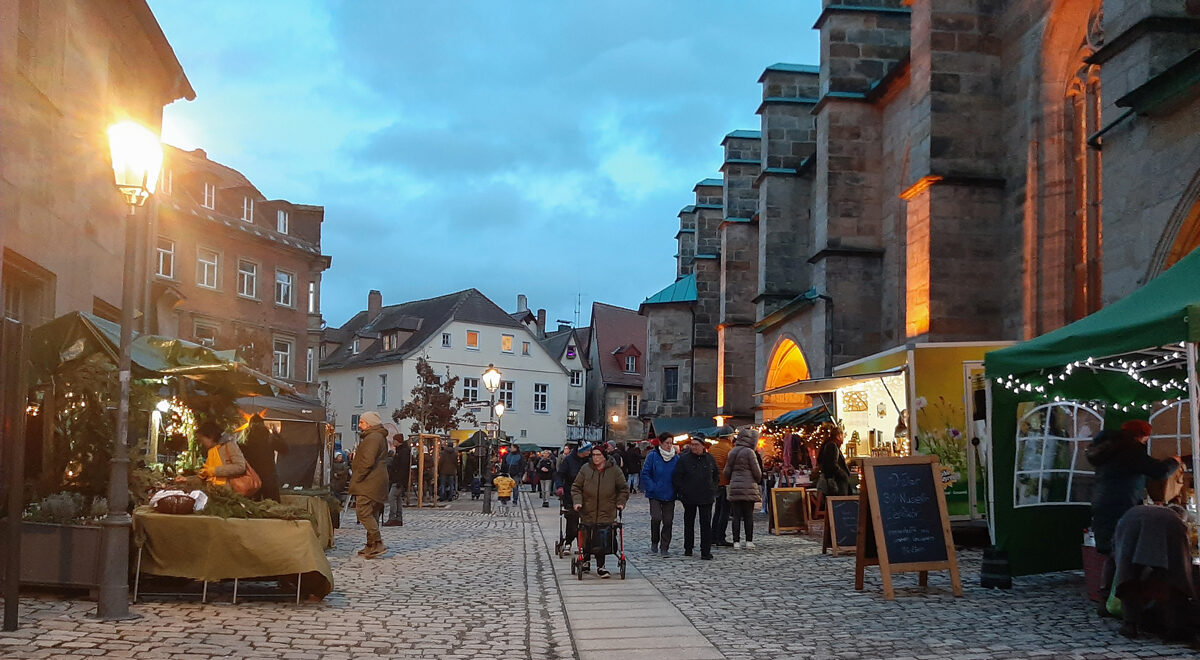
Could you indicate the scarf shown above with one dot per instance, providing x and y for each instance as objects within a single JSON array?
[{"x": 666, "y": 455}]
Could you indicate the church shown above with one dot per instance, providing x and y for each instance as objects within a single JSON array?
[{"x": 966, "y": 173}]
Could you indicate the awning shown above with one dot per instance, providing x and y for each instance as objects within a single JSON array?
[
  {"x": 813, "y": 415},
  {"x": 679, "y": 425},
  {"x": 815, "y": 385},
  {"x": 284, "y": 408}
]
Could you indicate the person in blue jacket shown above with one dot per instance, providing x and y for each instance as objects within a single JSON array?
[{"x": 657, "y": 470}]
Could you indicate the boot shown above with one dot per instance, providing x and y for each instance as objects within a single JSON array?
[{"x": 376, "y": 549}]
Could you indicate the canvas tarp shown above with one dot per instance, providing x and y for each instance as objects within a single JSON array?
[
  {"x": 1165, "y": 312},
  {"x": 813, "y": 415}
]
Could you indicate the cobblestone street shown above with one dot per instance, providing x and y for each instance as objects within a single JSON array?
[{"x": 455, "y": 584}]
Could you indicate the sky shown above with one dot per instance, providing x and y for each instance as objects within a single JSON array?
[{"x": 537, "y": 148}]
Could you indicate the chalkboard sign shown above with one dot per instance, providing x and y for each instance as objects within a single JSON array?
[
  {"x": 789, "y": 509},
  {"x": 903, "y": 523},
  {"x": 841, "y": 523}
]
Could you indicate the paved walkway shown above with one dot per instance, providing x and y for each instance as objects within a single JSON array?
[{"x": 621, "y": 619}]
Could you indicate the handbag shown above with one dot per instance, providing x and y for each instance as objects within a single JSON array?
[{"x": 246, "y": 484}]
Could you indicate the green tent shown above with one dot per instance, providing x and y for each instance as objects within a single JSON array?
[
  {"x": 801, "y": 416},
  {"x": 1128, "y": 360}
]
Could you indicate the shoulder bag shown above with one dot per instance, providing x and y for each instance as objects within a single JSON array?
[{"x": 246, "y": 484}]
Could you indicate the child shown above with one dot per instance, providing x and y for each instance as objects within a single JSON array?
[
  {"x": 476, "y": 488},
  {"x": 504, "y": 488}
]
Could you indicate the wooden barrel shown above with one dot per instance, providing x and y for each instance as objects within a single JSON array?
[{"x": 995, "y": 574}]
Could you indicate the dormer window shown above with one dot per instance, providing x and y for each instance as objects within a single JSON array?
[
  {"x": 354, "y": 347},
  {"x": 281, "y": 221},
  {"x": 210, "y": 196},
  {"x": 571, "y": 352},
  {"x": 247, "y": 209},
  {"x": 630, "y": 364},
  {"x": 391, "y": 341}
]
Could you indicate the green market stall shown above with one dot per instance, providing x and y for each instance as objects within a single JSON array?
[{"x": 1048, "y": 396}]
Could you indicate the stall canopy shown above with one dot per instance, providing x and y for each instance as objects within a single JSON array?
[
  {"x": 284, "y": 408},
  {"x": 679, "y": 425},
  {"x": 78, "y": 335},
  {"x": 813, "y": 415},
  {"x": 1127, "y": 360},
  {"x": 817, "y": 385}
]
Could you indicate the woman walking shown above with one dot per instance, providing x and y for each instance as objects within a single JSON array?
[{"x": 744, "y": 474}]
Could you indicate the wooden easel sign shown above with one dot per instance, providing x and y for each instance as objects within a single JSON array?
[
  {"x": 903, "y": 525},
  {"x": 841, "y": 524},
  {"x": 789, "y": 510}
]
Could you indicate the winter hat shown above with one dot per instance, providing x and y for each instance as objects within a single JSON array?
[
  {"x": 1138, "y": 428},
  {"x": 586, "y": 446},
  {"x": 371, "y": 418}
]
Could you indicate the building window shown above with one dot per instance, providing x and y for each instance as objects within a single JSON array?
[
  {"x": 383, "y": 389},
  {"x": 247, "y": 209},
  {"x": 572, "y": 418},
  {"x": 210, "y": 196},
  {"x": 310, "y": 373},
  {"x": 391, "y": 341},
  {"x": 205, "y": 333},
  {"x": 281, "y": 221},
  {"x": 507, "y": 387},
  {"x": 283, "y": 288},
  {"x": 571, "y": 352},
  {"x": 470, "y": 389},
  {"x": 632, "y": 405},
  {"x": 247, "y": 278},
  {"x": 362, "y": 389},
  {"x": 630, "y": 364},
  {"x": 1051, "y": 468},
  {"x": 576, "y": 378},
  {"x": 166, "y": 258},
  {"x": 670, "y": 383},
  {"x": 354, "y": 347},
  {"x": 283, "y": 358},
  {"x": 324, "y": 351},
  {"x": 446, "y": 340},
  {"x": 207, "y": 266},
  {"x": 541, "y": 398},
  {"x": 472, "y": 340},
  {"x": 524, "y": 432},
  {"x": 524, "y": 348},
  {"x": 312, "y": 297},
  {"x": 506, "y": 343},
  {"x": 354, "y": 423},
  {"x": 166, "y": 181}
]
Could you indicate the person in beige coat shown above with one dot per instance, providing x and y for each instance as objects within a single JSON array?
[
  {"x": 369, "y": 480},
  {"x": 744, "y": 474}
]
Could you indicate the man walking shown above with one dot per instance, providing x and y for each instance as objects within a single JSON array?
[
  {"x": 568, "y": 469},
  {"x": 398, "y": 478},
  {"x": 369, "y": 480},
  {"x": 447, "y": 468},
  {"x": 695, "y": 481},
  {"x": 514, "y": 466},
  {"x": 632, "y": 466},
  {"x": 720, "y": 516},
  {"x": 657, "y": 471}
]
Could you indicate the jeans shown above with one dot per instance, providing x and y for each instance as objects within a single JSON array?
[
  {"x": 720, "y": 515},
  {"x": 396, "y": 502},
  {"x": 544, "y": 488},
  {"x": 633, "y": 480},
  {"x": 742, "y": 512},
  {"x": 662, "y": 518},
  {"x": 447, "y": 486},
  {"x": 689, "y": 527}
]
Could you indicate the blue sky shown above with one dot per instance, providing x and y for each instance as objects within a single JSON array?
[{"x": 516, "y": 147}]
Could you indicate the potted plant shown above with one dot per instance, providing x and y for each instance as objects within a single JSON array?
[{"x": 60, "y": 541}]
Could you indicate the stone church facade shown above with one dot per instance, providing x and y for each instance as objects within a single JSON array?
[{"x": 975, "y": 170}]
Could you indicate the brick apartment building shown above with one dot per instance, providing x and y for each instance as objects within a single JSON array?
[{"x": 234, "y": 270}]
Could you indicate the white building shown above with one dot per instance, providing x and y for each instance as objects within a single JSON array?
[
  {"x": 370, "y": 364},
  {"x": 567, "y": 345}
]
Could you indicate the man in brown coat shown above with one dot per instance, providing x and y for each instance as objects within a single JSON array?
[{"x": 369, "y": 480}]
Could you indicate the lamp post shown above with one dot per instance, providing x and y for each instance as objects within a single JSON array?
[
  {"x": 491, "y": 380},
  {"x": 136, "y": 161}
]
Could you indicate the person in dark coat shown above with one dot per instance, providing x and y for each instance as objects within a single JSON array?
[
  {"x": 447, "y": 469},
  {"x": 398, "y": 469},
  {"x": 1122, "y": 467},
  {"x": 835, "y": 474},
  {"x": 696, "y": 480},
  {"x": 568, "y": 469},
  {"x": 339, "y": 477},
  {"x": 259, "y": 450},
  {"x": 599, "y": 493},
  {"x": 744, "y": 473},
  {"x": 515, "y": 466},
  {"x": 631, "y": 465},
  {"x": 543, "y": 474}
]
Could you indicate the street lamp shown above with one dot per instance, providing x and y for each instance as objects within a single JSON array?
[
  {"x": 491, "y": 380},
  {"x": 136, "y": 160}
]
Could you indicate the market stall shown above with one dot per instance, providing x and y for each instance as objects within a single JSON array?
[
  {"x": 300, "y": 421},
  {"x": 1135, "y": 359}
]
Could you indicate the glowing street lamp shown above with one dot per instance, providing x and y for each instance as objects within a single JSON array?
[
  {"x": 491, "y": 380},
  {"x": 137, "y": 160}
]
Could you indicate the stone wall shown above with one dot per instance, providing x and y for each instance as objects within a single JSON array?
[{"x": 669, "y": 344}]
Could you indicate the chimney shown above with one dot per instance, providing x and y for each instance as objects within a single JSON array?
[
  {"x": 374, "y": 305},
  {"x": 522, "y": 303},
  {"x": 201, "y": 153},
  {"x": 541, "y": 324},
  {"x": 562, "y": 327}
]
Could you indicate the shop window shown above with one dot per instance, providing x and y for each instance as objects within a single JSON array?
[{"x": 1051, "y": 468}]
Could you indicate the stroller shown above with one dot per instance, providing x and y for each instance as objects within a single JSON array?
[{"x": 603, "y": 539}]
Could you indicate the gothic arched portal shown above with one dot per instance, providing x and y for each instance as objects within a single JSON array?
[
  {"x": 1187, "y": 239},
  {"x": 787, "y": 366}
]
